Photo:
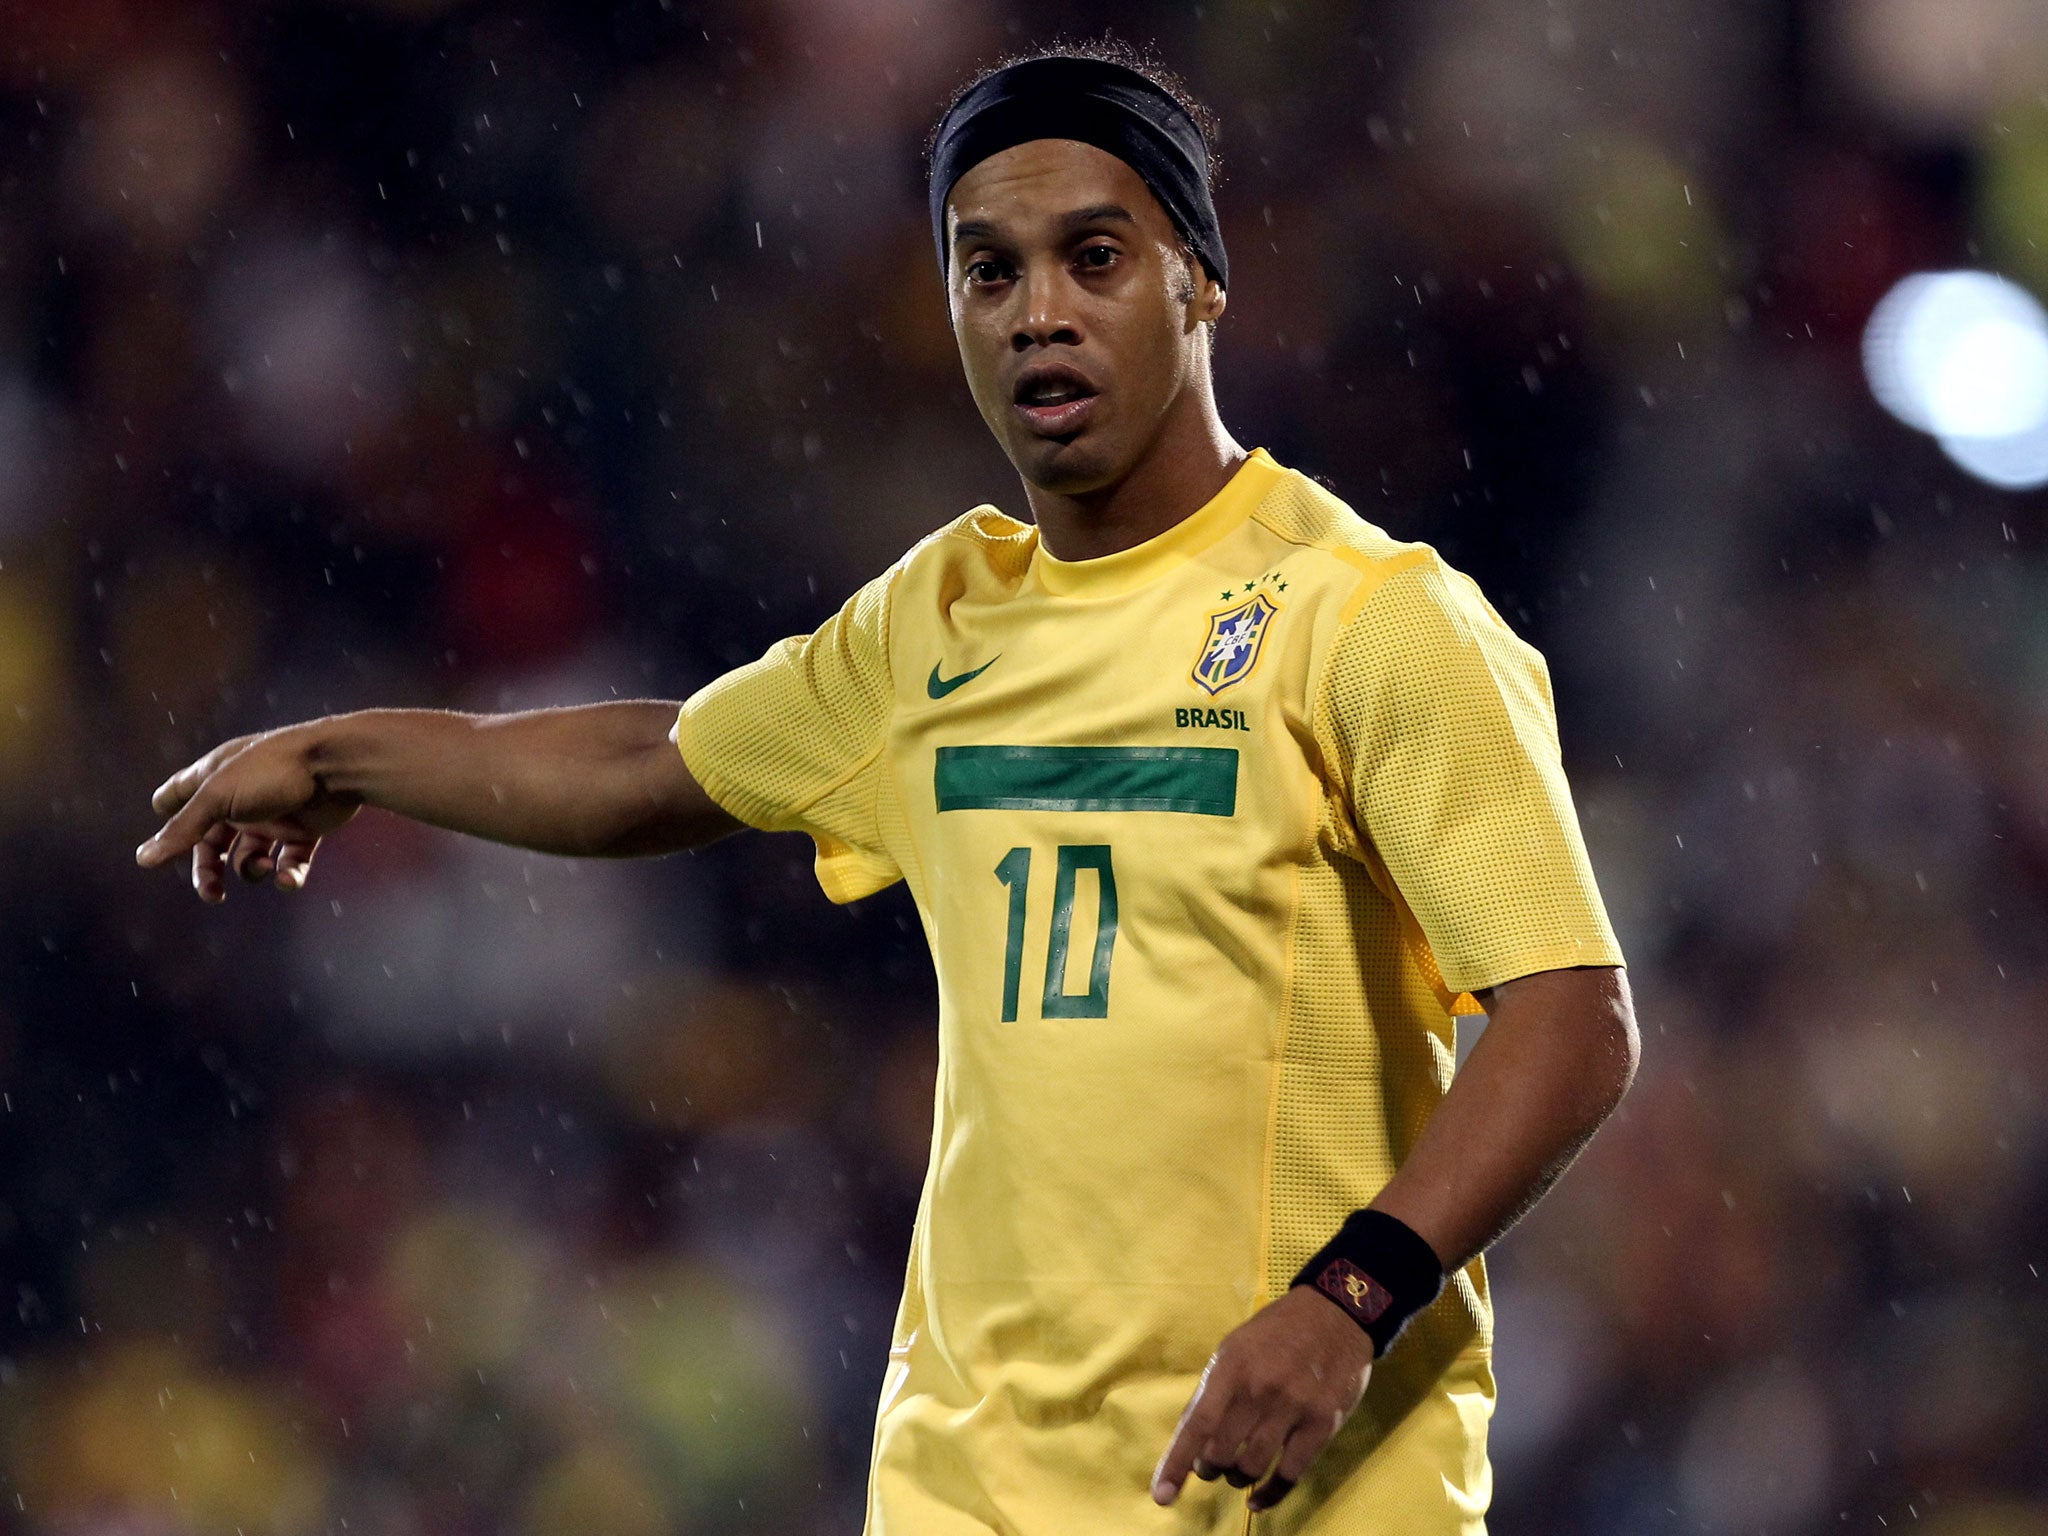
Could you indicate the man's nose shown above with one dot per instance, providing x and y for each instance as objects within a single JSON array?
[{"x": 1048, "y": 318}]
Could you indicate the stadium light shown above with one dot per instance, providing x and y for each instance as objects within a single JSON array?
[
  {"x": 2015, "y": 463},
  {"x": 1963, "y": 356}
]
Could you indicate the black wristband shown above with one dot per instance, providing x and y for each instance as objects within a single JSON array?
[{"x": 1379, "y": 1270}]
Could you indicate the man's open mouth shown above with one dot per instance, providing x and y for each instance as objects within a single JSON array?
[{"x": 1054, "y": 400}]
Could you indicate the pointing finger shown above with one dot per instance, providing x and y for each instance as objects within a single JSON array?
[
  {"x": 174, "y": 791},
  {"x": 1197, "y": 1422},
  {"x": 172, "y": 794},
  {"x": 183, "y": 831},
  {"x": 177, "y": 789}
]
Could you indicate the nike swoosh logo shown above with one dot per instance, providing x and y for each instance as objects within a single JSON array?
[{"x": 938, "y": 687}]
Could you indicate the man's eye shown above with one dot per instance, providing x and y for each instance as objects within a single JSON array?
[
  {"x": 1097, "y": 255},
  {"x": 985, "y": 271}
]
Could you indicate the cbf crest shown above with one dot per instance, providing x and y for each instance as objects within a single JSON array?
[{"x": 1232, "y": 647}]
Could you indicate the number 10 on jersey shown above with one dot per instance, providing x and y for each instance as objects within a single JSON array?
[{"x": 1057, "y": 1002}]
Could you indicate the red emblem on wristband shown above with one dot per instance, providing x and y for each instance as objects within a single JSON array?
[{"x": 1354, "y": 1290}]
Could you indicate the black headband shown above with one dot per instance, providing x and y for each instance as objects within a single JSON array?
[{"x": 1095, "y": 102}]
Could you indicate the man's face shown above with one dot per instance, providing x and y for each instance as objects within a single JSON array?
[{"x": 1070, "y": 296}]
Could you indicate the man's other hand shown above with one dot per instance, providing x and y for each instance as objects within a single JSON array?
[
  {"x": 1275, "y": 1391},
  {"x": 253, "y": 805}
]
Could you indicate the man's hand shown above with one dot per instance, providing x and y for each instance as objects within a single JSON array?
[
  {"x": 1277, "y": 1389},
  {"x": 253, "y": 805},
  {"x": 588, "y": 781}
]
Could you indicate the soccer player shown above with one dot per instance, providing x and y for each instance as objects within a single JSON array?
[{"x": 1218, "y": 804}]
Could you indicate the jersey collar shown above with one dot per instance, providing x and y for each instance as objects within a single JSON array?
[{"x": 1128, "y": 569}]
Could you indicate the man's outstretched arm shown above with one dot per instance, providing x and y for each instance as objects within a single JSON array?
[{"x": 600, "y": 780}]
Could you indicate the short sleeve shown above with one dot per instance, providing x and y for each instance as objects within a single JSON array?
[
  {"x": 794, "y": 742},
  {"x": 1438, "y": 720}
]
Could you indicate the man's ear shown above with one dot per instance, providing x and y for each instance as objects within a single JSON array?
[{"x": 1199, "y": 289}]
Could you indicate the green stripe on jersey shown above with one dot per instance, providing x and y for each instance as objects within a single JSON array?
[{"x": 1200, "y": 781}]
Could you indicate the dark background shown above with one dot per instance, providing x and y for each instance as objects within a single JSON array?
[{"x": 489, "y": 355}]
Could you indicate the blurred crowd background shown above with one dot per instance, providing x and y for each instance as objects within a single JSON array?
[{"x": 495, "y": 354}]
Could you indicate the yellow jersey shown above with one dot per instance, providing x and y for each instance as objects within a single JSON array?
[{"x": 1210, "y": 838}]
